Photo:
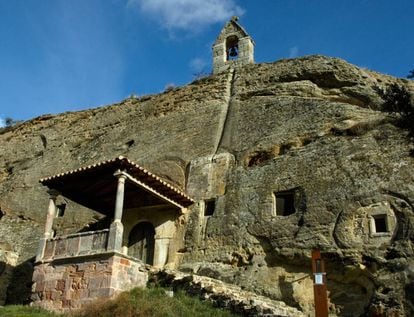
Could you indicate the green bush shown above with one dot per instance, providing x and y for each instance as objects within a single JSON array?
[
  {"x": 397, "y": 100},
  {"x": 151, "y": 303}
]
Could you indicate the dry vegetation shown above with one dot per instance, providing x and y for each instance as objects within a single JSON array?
[{"x": 136, "y": 303}]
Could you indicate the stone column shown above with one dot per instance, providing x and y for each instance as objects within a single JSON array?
[
  {"x": 51, "y": 213},
  {"x": 161, "y": 251},
  {"x": 48, "y": 233},
  {"x": 116, "y": 229}
]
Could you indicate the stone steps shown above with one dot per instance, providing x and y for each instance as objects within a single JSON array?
[{"x": 223, "y": 294}]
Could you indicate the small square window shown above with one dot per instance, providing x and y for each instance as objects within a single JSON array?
[
  {"x": 209, "y": 207},
  {"x": 284, "y": 203},
  {"x": 380, "y": 223}
]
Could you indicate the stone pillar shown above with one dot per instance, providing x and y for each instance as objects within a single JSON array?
[
  {"x": 161, "y": 251},
  {"x": 116, "y": 230},
  {"x": 51, "y": 214},
  {"x": 48, "y": 233},
  {"x": 219, "y": 57}
]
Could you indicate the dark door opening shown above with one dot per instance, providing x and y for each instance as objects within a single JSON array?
[{"x": 141, "y": 242}]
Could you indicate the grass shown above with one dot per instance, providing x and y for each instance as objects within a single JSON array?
[
  {"x": 152, "y": 303},
  {"x": 24, "y": 311},
  {"x": 138, "y": 302}
]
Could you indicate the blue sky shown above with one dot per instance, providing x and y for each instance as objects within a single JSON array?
[{"x": 68, "y": 55}]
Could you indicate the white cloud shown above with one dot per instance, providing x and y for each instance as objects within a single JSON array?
[
  {"x": 188, "y": 14},
  {"x": 293, "y": 52},
  {"x": 197, "y": 65}
]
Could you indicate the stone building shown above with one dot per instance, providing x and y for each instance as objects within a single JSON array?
[
  {"x": 233, "y": 47},
  {"x": 256, "y": 165},
  {"x": 146, "y": 228}
]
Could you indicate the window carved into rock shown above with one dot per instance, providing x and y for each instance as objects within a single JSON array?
[
  {"x": 284, "y": 203},
  {"x": 379, "y": 223},
  {"x": 209, "y": 207}
]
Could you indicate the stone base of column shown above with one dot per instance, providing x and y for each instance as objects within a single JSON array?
[
  {"x": 41, "y": 250},
  {"x": 116, "y": 233}
]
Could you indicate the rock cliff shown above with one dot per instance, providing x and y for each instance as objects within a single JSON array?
[{"x": 305, "y": 131}]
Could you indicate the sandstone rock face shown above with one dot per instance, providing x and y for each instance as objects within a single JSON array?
[
  {"x": 301, "y": 132},
  {"x": 8, "y": 261},
  {"x": 223, "y": 295}
]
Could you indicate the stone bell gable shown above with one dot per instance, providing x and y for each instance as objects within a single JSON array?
[{"x": 233, "y": 47}]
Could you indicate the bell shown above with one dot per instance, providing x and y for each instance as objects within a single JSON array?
[{"x": 233, "y": 52}]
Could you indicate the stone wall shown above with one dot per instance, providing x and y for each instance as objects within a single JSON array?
[
  {"x": 83, "y": 243},
  {"x": 63, "y": 285}
]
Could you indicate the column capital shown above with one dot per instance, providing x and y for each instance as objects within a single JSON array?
[
  {"x": 53, "y": 193},
  {"x": 120, "y": 175}
]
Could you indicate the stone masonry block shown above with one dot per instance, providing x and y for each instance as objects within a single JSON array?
[
  {"x": 87, "y": 267},
  {"x": 85, "y": 244},
  {"x": 38, "y": 275},
  {"x": 79, "y": 294},
  {"x": 71, "y": 268},
  {"x": 66, "y": 303},
  {"x": 99, "y": 282},
  {"x": 73, "y": 246},
  {"x": 50, "y": 285},
  {"x": 102, "y": 267},
  {"x": 100, "y": 292},
  {"x": 56, "y": 295},
  {"x": 61, "y": 247},
  {"x": 99, "y": 242},
  {"x": 53, "y": 276},
  {"x": 125, "y": 262},
  {"x": 60, "y": 268},
  {"x": 60, "y": 285},
  {"x": 39, "y": 286},
  {"x": 49, "y": 249}
]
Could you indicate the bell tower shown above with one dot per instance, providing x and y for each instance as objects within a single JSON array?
[{"x": 233, "y": 47}]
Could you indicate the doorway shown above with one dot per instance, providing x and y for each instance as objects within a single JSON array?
[{"x": 141, "y": 242}]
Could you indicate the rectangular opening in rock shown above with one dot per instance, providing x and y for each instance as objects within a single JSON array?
[
  {"x": 284, "y": 203},
  {"x": 209, "y": 207},
  {"x": 60, "y": 210},
  {"x": 380, "y": 223}
]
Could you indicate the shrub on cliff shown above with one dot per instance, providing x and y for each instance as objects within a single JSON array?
[{"x": 397, "y": 100}]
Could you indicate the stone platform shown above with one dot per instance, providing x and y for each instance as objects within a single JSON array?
[{"x": 71, "y": 283}]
